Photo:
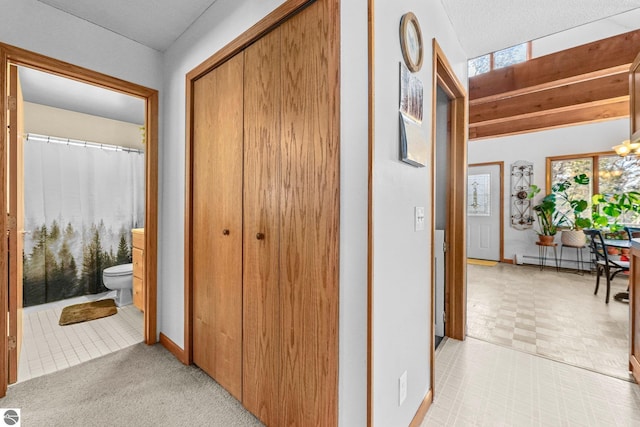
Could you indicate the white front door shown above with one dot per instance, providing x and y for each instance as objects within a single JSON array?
[{"x": 483, "y": 212}]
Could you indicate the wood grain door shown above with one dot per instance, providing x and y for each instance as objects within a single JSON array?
[
  {"x": 309, "y": 217},
  {"x": 261, "y": 341},
  {"x": 217, "y": 218},
  {"x": 634, "y": 315},
  {"x": 16, "y": 219}
]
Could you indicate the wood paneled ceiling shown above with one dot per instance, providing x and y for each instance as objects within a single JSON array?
[{"x": 585, "y": 84}]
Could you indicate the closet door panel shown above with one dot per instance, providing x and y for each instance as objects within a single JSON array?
[
  {"x": 261, "y": 348},
  {"x": 217, "y": 224},
  {"x": 309, "y": 224}
]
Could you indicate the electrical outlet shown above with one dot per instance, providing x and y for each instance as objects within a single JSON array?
[
  {"x": 402, "y": 388},
  {"x": 419, "y": 218}
]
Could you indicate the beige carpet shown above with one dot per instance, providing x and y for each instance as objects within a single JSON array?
[{"x": 138, "y": 386}]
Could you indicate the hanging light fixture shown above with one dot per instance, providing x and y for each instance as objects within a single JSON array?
[{"x": 627, "y": 148}]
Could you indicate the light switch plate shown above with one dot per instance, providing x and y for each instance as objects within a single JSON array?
[
  {"x": 419, "y": 218},
  {"x": 402, "y": 388}
]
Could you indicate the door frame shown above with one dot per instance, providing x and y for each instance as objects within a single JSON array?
[
  {"x": 272, "y": 20},
  {"x": 455, "y": 230},
  {"x": 500, "y": 164},
  {"x": 22, "y": 57}
]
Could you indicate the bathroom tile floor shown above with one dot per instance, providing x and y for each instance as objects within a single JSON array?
[{"x": 48, "y": 347}]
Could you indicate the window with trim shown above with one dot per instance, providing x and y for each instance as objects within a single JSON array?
[
  {"x": 499, "y": 59},
  {"x": 608, "y": 173}
]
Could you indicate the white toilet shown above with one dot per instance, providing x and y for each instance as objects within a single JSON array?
[{"x": 120, "y": 279}]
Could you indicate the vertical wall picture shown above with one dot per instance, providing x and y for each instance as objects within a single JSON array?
[
  {"x": 414, "y": 148},
  {"x": 479, "y": 195},
  {"x": 411, "y": 94}
]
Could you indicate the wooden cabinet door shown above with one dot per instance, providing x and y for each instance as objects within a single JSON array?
[
  {"x": 634, "y": 315},
  {"x": 309, "y": 216},
  {"x": 261, "y": 345},
  {"x": 217, "y": 222}
]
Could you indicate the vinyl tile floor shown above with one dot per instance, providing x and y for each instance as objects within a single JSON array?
[
  {"x": 48, "y": 347},
  {"x": 482, "y": 384},
  {"x": 550, "y": 314}
]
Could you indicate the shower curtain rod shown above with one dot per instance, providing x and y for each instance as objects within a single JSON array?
[{"x": 78, "y": 143}]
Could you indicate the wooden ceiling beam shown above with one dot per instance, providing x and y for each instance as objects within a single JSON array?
[
  {"x": 582, "y": 60},
  {"x": 586, "y": 113},
  {"x": 609, "y": 88}
]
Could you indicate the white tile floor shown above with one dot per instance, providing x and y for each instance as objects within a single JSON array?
[
  {"x": 483, "y": 384},
  {"x": 48, "y": 347}
]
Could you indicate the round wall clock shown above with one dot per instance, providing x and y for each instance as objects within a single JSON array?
[{"x": 411, "y": 42}]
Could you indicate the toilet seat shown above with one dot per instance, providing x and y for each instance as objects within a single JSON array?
[{"x": 118, "y": 270}]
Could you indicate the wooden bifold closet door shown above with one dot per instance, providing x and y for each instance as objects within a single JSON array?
[
  {"x": 266, "y": 169},
  {"x": 217, "y": 217}
]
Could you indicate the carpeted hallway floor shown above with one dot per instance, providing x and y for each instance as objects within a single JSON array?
[{"x": 138, "y": 386}]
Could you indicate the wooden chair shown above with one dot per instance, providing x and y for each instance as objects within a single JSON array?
[{"x": 602, "y": 262}]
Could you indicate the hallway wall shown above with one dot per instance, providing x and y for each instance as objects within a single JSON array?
[{"x": 402, "y": 256}]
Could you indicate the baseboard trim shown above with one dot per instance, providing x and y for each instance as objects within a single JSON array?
[
  {"x": 173, "y": 348},
  {"x": 507, "y": 261},
  {"x": 422, "y": 410}
]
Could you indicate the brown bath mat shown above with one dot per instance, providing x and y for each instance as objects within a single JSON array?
[{"x": 87, "y": 311}]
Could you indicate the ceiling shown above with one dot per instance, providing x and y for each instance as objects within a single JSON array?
[
  {"x": 47, "y": 89},
  {"x": 482, "y": 26},
  {"x": 485, "y": 26},
  {"x": 153, "y": 23}
]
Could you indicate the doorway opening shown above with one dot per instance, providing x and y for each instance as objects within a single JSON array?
[
  {"x": 449, "y": 136},
  {"x": 14, "y": 58}
]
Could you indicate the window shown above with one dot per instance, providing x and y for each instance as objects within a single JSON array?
[
  {"x": 499, "y": 59},
  {"x": 608, "y": 173}
]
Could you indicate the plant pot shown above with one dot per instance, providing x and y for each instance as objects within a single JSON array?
[
  {"x": 613, "y": 251},
  {"x": 625, "y": 251},
  {"x": 546, "y": 239},
  {"x": 574, "y": 238}
]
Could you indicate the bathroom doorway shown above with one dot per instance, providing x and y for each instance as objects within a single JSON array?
[{"x": 58, "y": 239}]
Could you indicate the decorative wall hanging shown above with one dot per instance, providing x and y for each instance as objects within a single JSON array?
[
  {"x": 413, "y": 145},
  {"x": 411, "y": 94},
  {"x": 414, "y": 148},
  {"x": 411, "y": 42},
  {"x": 479, "y": 195},
  {"x": 521, "y": 206}
]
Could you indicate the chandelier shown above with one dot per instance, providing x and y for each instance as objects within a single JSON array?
[{"x": 627, "y": 148}]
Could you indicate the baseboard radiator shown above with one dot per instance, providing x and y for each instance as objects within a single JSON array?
[{"x": 522, "y": 259}]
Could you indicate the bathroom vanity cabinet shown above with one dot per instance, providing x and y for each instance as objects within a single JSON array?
[{"x": 137, "y": 253}]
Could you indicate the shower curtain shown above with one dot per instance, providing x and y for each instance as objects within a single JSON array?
[{"x": 80, "y": 205}]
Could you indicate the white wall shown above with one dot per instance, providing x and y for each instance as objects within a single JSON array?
[
  {"x": 402, "y": 257},
  {"x": 536, "y": 147},
  {"x": 50, "y": 121},
  {"x": 34, "y": 26},
  {"x": 224, "y": 21}
]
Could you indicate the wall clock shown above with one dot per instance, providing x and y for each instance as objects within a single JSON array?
[{"x": 411, "y": 42}]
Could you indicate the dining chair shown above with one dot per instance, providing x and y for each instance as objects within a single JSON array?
[
  {"x": 632, "y": 232},
  {"x": 604, "y": 264}
]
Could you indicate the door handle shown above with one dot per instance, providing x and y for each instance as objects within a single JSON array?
[
  {"x": 226, "y": 232},
  {"x": 260, "y": 236}
]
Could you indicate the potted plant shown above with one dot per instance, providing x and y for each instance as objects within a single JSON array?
[
  {"x": 545, "y": 214},
  {"x": 612, "y": 210},
  {"x": 570, "y": 210}
]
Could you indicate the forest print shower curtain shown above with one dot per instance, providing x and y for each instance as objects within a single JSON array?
[{"x": 80, "y": 206}]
